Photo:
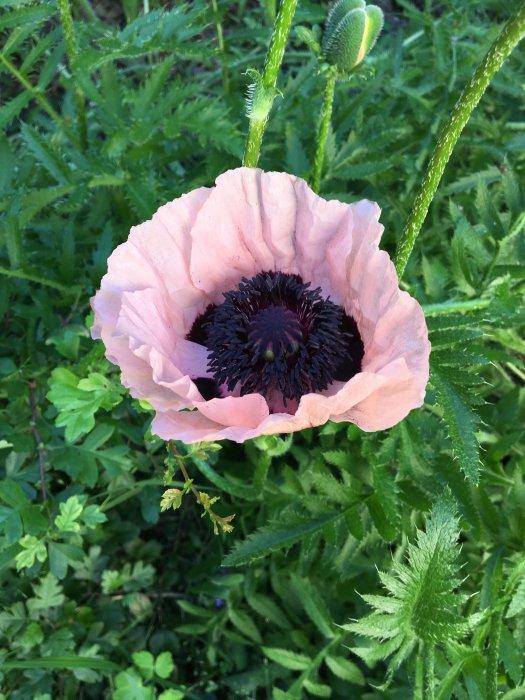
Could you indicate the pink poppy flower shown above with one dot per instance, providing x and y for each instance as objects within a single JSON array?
[{"x": 257, "y": 307}]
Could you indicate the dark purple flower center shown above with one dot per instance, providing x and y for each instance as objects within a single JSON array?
[{"x": 275, "y": 334}]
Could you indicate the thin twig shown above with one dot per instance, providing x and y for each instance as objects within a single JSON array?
[
  {"x": 216, "y": 519},
  {"x": 39, "y": 443}
]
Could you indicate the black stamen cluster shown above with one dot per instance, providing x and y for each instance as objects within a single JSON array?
[{"x": 275, "y": 334}]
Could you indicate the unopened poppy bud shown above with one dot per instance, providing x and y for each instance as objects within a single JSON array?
[{"x": 351, "y": 31}]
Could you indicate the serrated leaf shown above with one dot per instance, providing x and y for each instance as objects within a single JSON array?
[
  {"x": 267, "y": 608},
  {"x": 33, "y": 548},
  {"x": 273, "y": 537},
  {"x": 245, "y": 624},
  {"x": 70, "y": 511},
  {"x": 517, "y": 602},
  {"x": 287, "y": 659},
  {"x": 319, "y": 690},
  {"x": 462, "y": 424},
  {"x": 345, "y": 669},
  {"x": 45, "y": 154},
  {"x": 313, "y": 605},
  {"x": 49, "y": 594}
]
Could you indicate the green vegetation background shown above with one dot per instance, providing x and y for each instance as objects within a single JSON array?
[{"x": 104, "y": 597}]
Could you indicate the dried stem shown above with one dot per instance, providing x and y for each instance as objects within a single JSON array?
[{"x": 509, "y": 36}]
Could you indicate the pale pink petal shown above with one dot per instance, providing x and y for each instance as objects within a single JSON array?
[
  {"x": 240, "y": 411},
  {"x": 246, "y": 226},
  {"x": 156, "y": 255},
  {"x": 327, "y": 232}
]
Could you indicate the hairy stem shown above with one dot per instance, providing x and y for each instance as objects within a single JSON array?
[
  {"x": 71, "y": 50},
  {"x": 324, "y": 128},
  {"x": 274, "y": 58},
  {"x": 491, "y": 677},
  {"x": 222, "y": 48},
  {"x": 429, "y": 681},
  {"x": 509, "y": 36},
  {"x": 418, "y": 680}
]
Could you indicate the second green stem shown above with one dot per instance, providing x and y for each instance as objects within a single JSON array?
[
  {"x": 324, "y": 128},
  {"x": 510, "y": 35}
]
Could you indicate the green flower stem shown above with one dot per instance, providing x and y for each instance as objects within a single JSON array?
[
  {"x": 324, "y": 127},
  {"x": 33, "y": 91},
  {"x": 71, "y": 50},
  {"x": 509, "y": 36},
  {"x": 222, "y": 48},
  {"x": 491, "y": 677},
  {"x": 274, "y": 58},
  {"x": 429, "y": 681}
]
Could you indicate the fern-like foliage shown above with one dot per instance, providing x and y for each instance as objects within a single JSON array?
[{"x": 422, "y": 603}]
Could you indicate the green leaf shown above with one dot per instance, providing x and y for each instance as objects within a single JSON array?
[
  {"x": 45, "y": 154},
  {"x": 37, "y": 199},
  {"x": 92, "y": 516},
  {"x": 164, "y": 664},
  {"x": 130, "y": 687},
  {"x": 77, "y": 400},
  {"x": 345, "y": 669},
  {"x": 62, "y": 662},
  {"x": 245, "y": 624},
  {"x": 313, "y": 605},
  {"x": 152, "y": 88},
  {"x": 517, "y": 603},
  {"x": 48, "y": 594},
  {"x": 318, "y": 689},
  {"x": 422, "y": 604},
  {"x": 172, "y": 694},
  {"x": 33, "y": 549},
  {"x": 144, "y": 661},
  {"x": 70, "y": 511},
  {"x": 12, "y": 493},
  {"x": 61, "y": 556},
  {"x": 268, "y": 609},
  {"x": 26, "y": 15},
  {"x": 12, "y": 109},
  {"x": 287, "y": 659},
  {"x": 273, "y": 537},
  {"x": 462, "y": 424}
]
